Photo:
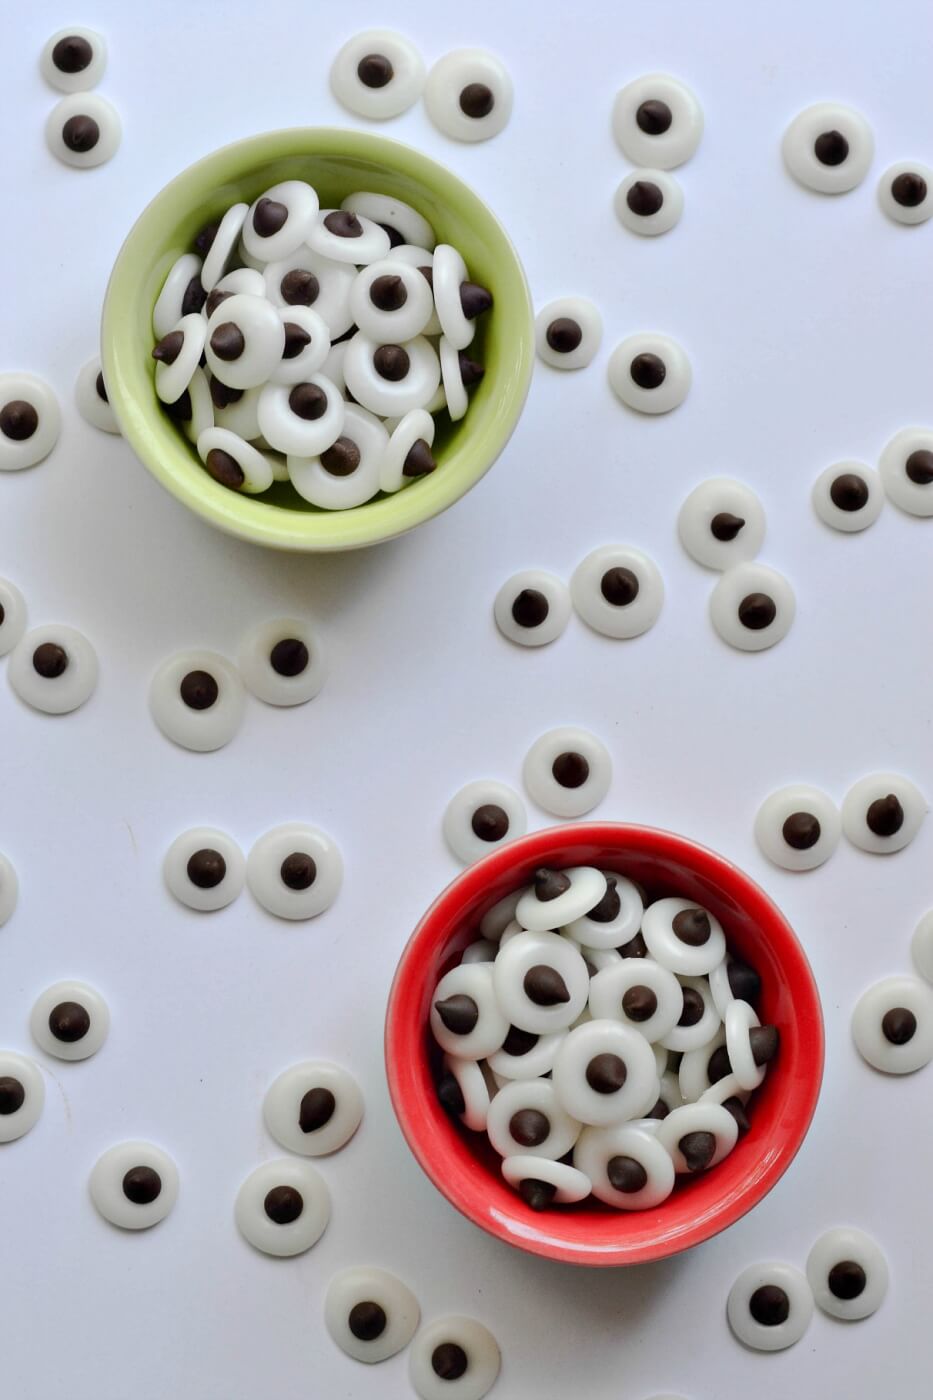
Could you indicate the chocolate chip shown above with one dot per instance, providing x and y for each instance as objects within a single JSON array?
[
  {"x": 769, "y": 1305},
  {"x": 529, "y": 1127},
  {"x": 606, "y": 1074},
  {"x": 181, "y": 410},
  {"x": 719, "y": 1065},
  {"x": 222, "y": 395},
  {"x": 388, "y": 292},
  {"x": 474, "y": 299},
  {"x": 764, "y": 1041},
  {"x": 801, "y": 830},
  {"x": 725, "y": 526},
  {"x": 194, "y": 297},
  {"x": 450, "y": 1095},
  {"x": 375, "y": 70},
  {"x": 654, "y": 117},
  {"x": 308, "y": 401},
  {"x": 283, "y": 1205},
  {"x": 490, "y": 822},
  {"x": 69, "y": 1021},
  {"x": 269, "y": 216},
  {"x": 72, "y": 54},
  {"x": 214, "y": 299},
  {"x": 885, "y": 816},
  {"x": 199, "y": 690},
  {"x": 342, "y": 224},
  {"x": 570, "y": 769},
  {"x": 693, "y": 1007},
  {"x": 142, "y": 1185},
  {"x": 530, "y": 608},
  {"x": 206, "y": 868},
  {"x": 2, "y": 614},
  {"x": 428, "y": 274},
  {"x": 639, "y": 1003},
  {"x": 635, "y": 948},
  {"x": 418, "y": 459},
  {"x": 298, "y": 871},
  {"x": 619, "y": 586},
  {"x": 296, "y": 338},
  {"x": 289, "y": 657},
  {"x": 757, "y": 611},
  {"x": 80, "y": 133},
  {"x": 396, "y": 239},
  {"x": 342, "y": 459},
  {"x": 831, "y": 148},
  {"x": 458, "y": 1013},
  {"x": 644, "y": 197},
  {"x": 564, "y": 334},
  {"x": 367, "y": 1320},
  {"x": 205, "y": 239},
  {"x": 519, "y": 1042},
  {"x": 12, "y": 1095},
  {"x": 692, "y": 926},
  {"x": 736, "y": 1107},
  {"x": 224, "y": 468},
  {"x": 846, "y": 1280},
  {"x": 167, "y": 350},
  {"x": 50, "y": 661},
  {"x": 392, "y": 362},
  {"x": 550, "y": 884},
  {"x": 477, "y": 100},
  {"x": 609, "y": 906},
  {"x": 908, "y": 189},
  {"x": 449, "y": 1361},
  {"x": 316, "y": 1109},
  {"x": 537, "y": 1194},
  {"x": 626, "y": 1174},
  {"x": 698, "y": 1150},
  {"x": 849, "y": 491},
  {"x": 18, "y": 420},
  {"x": 648, "y": 371},
  {"x": 227, "y": 341},
  {"x": 544, "y": 986},
  {"x": 899, "y": 1025},
  {"x": 299, "y": 287},
  {"x": 919, "y": 467},
  {"x": 744, "y": 982},
  {"x": 471, "y": 371}
]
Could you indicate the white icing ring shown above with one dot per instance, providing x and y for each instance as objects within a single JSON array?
[
  {"x": 739, "y": 583},
  {"x": 608, "y": 988},
  {"x": 598, "y": 959},
  {"x": 12, "y": 616},
  {"x": 474, "y": 1340},
  {"x": 497, "y": 918},
  {"x": 404, "y": 85},
  {"x": 725, "y": 1089},
  {"x": 582, "y": 312},
  {"x": 83, "y": 78},
  {"x": 710, "y": 501},
  {"x": 391, "y": 398},
  {"x": 416, "y": 256},
  {"x": 329, "y": 293},
  {"x": 222, "y": 248},
  {"x": 256, "y": 468},
  {"x": 859, "y": 801},
  {"x": 16, "y": 1122},
  {"x": 300, "y": 201},
  {"x": 921, "y": 945},
  {"x": 909, "y": 994},
  {"x": 571, "y": 1067},
  {"x": 799, "y": 148},
  {"x": 698, "y": 1118},
  {"x": 771, "y": 1337},
  {"x": 740, "y": 1020},
  {"x": 849, "y": 521},
  {"x": 682, "y": 1038},
  {"x": 241, "y": 416},
  {"x": 170, "y": 303},
  {"x": 450, "y": 78},
  {"x": 916, "y": 497},
  {"x": 846, "y": 1245},
  {"x": 473, "y": 981},
  {"x": 596, "y": 1148},
  {"x": 207, "y": 884},
  {"x": 658, "y": 398},
  {"x": 610, "y": 933},
  {"x": 550, "y": 596},
  {"x": 74, "y": 1040},
  {"x": 693, "y": 1075},
  {"x": 663, "y": 149},
  {"x": 53, "y": 694},
  {"x": 263, "y": 331},
  {"x": 366, "y": 1285},
  {"x": 367, "y": 246},
  {"x": 455, "y": 392},
  {"x": 394, "y": 215},
  {"x": 534, "y": 1064},
  {"x": 798, "y": 801},
  {"x": 668, "y": 1094},
  {"x": 591, "y": 588},
  {"x": 98, "y": 110},
  {"x": 404, "y": 323},
  {"x": 472, "y": 1084},
  {"x": 108, "y": 1185},
  {"x": 657, "y": 192},
  {"x": 9, "y": 889},
  {"x": 290, "y": 432},
  {"x": 587, "y": 887},
  {"x": 291, "y": 1236},
  {"x": 316, "y": 484},
  {"x": 449, "y": 272},
  {"x": 416, "y": 426},
  {"x": 687, "y": 960},
  {"x": 172, "y": 379},
  {"x": 555, "y": 797},
  {"x": 296, "y": 1125},
  {"x": 918, "y": 191},
  {"x": 311, "y": 357},
  {"x": 304, "y": 892},
  {"x": 201, "y": 730},
  {"x": 460, "y": 830},
  {"x": 539, "y": 1095},
  {"x": 516, "y": 958},
  {"x": 202, "y": 407},
  {"x": 570, "y": 1183},
  {"x": 19, "y": 452},
  {"x": 296, "y": 674},
  {"x": 241, "y": 279}
]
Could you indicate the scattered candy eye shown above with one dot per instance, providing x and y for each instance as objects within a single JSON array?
[
  {"x": 605, "y": 1072},
  {"x": 22, "y": 1092},
  {"x": 403, "y": 224},
  {"x": 542, "y": 1183},
  {"x": 217, "y": 243},
  {"x": 721, "y": 523},
  {"x": 347, "y": 473},
  {"x": 906, "y": 470},
  {"x": 752, "y": 607},
  {"x": 313, "y": 1108},
  {"x": 527, "y": 1118},
  {"x": 649, "y": 202},
  {"x": 567, "y": 772},
  {"x": 30, "y": 421},
  {"x": 480, "y": 817},
  {"x": 348, "y": 238},
  {"x": 468, "y": 95},
  {"x": 197, "y": 700},
  {"x": 657, "y": 121},
  {"x": 532, "y": 608},
  {"x": 798, "y": 827},
  {"x": 698, "y": 1136},
  {"x": 9, "y": 889},
  {"x": 769, "y": 1306},
  {"x": 454, "y": 1355},
  {"x": 650, "y": 373},
  {"x": 618, "y": 591},
  {"x": 892, "y": 1025},
  {"x": 568, "y": 332},
  {"x": 134, "y": 1185},
  {"x": 391, "y": 301},
  {"x": 182, "y": 294},
  {"x": 91, "y": 398},
  {"x": 377, "y": 74},
  {"x": 682, "y": 937},
  {"x": 74, "y": 59},
  {"x": 70, "y": 1020},
  {"x": 204, "y": 869},
  {"x": 905, "y": 192},
  {"x": 53, "y": 669},
  {"x": 848, "y": 1274},
  {"x": 282, "y": 662},
  {"x": 848, "y": 496},
  {"x": 83, "y": 130},
  {"x": 303, "y": 418},
  {"x": 12, "y": 616},
  {"x": 626, "y": 1165},
  {"x": 921, "y": 947},
  {"x": 283, "y": 1207},
  {"x": 234, "y": 463},
  {"x": 279, "y": 221},
  {"x": 370, "y": 1313},
  {"x": 883, "y": 813},
  {"x": 295, "y": 871},
  {"x": 391, "y": 379},
  {"x": 828, "y": 148},
  {"x": 641, "y": 994},
  {"x": 407, "y": 454}
]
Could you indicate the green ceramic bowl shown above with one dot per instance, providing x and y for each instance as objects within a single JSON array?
[{"x": 336, "y": 162}]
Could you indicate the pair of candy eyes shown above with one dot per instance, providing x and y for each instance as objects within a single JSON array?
[
  {"x": 565, "y": 334},
  {"x": 769, "y": 1305},
  {"x": 207, "y": 868},
  {"x": 288, "y": 657},
  {"x": 375, "y": 70},
  {"x": 619, "y": 586},
  {"x": 884, "y": 817}
]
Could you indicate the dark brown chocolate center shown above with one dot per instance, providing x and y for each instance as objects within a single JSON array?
[
  {"x": 18, "y": 420},
  {"x": 769, "y": 1305},
  {"x": 530, "y": 608},
  {"x": 550, "y": 884},
  {"x": 849, "y": 491},
  {"x": 698, "y": 1150},
  {"x": 654, "y": 117},
  {"x": 392, "y": 362},
  {"x": 228, "y": 341},
  {"x": 535, "y": 1193},
  {"x": 757, "y": 611},
  {"x": 367, "y": 1320},
  {"x": 885, "y": 816},
  {"x": 12, "y": 1095},
  {"x": 289, "y": 657},
  {"x": 648, "y": 371},
  {"x": 72, "y": 54},
  {"x": 519, "y": 1042},
  {"x": 609, "y": 907},
  {"x": 846, "y": 1280},
  {"x": 477, "y": 100},
  {"x": 298, "y": 871},
  {"x": 283, "y": 1205},
  {"x": 619, "y": 586},
  {"x": 831, "y": 148},
  {"x": 564, "y": 334},
  {"x": 69, "y": 1021},
  {"x": 606, "y": 1073},
  {"x": 725, "y": 526},
  {"x": 388, "y": 292},
  {"x": 375, "y": 70},
  {"x": 644, "y": 198},
  {"x": 801, "y": 830},
  {"x": 692, "y": 926},
  {"x": 206, "y": 868},
  {"x": 81, "y": 133},
  {"x": 296, "y": 338},
  {"x": 342, "y": 459},
  {"x": 316, "y": 1109},
  {"x": 449, "y": 1361},
  {"x": 224, "y": 468},
  {"x": 570, "y": 769},
  {"x": 529, "y": 1127},
  {"x": 693, "y": 1008},
  {"x": 199, "y": 690},
  {"x": 50, "y": 661},
  {"x": 899, "y": 1025},
  {"x": 490, "y": 822},
  {"x": 639, "y": 1003},
  {"x": 459, "y": 1013},
  {"x": 299, "y": 287},
  {"x": 919, "y": 467},
  {"x": 342, "y": 224},
  {"x": 142, "y": 1185},
  {"x": 625, "y": 1174},
  {"x": 544, "y": 986},
  {"x": 908, "y": 189},
  {"x": 269, "y": 216}
]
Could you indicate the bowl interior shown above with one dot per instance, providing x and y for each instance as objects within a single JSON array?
[
  {"x": 337, "y": 163},
  {"x": 463, "y": 1164}
]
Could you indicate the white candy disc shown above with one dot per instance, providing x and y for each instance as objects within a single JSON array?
[
  {"x": 70, "y": 1020},
  {"x": 614, "y": 920},
  {"x": 452, "y": 382},
  {"x": 563, "y": 1184},
  {"x": 650, "y": 373},
  {"x": 639, "y": 993},
  {"x": 306, "y": 279},
  {"x": 466, "y": 1018},
  {"x": 463, "y": 1090},
  {"x": 686, "y": 1133},
  {"x": 669, "y": 1097},
  {"x": 905, "y": 192},
  {"x": 9, "y": 889},
  {"x": 892, "y": 1025},
  {"x": 541, "y": 983},
  {"x": 283, "y": 1207},
  {"x": 480, "y": 817},
  {"x": 649, "y": 202},
  {"x": 295, "y": 871},
  {"x": 568, "y": 332},
  {"x": 497, "y": 918},
  {"x": 449, "y": 272},
  {"x": 391, "y": 301},
  {"x": 740, "y": 1020},
  {"x": 134, "y": 1185},
  {"x": 752, "y": 607},
  {"x": 22, "y": 1095},
  {"x": 195, "y": 410},
  {"x": 770, "y": 1306},
  {"x": 279, "y": 221},
  {"x": 197, "y": 700},
  {"x": 558, "y": 897},
  {"x": 12, "y": 616},
  {"x": 468, "y": 95},
  {"x": 307, "y": 345},
  {"x": 347, "y": 473},
  {"x": 848, "y": 496},
  {"x": 921, "y": 946},
  {"x": 525, "y": 1055},
  {"x": 370, "y": 1313},
  {"x": 416, "y": 256},
  {"x": 282, "y": 662},
  {"x": 567, "y": 772},
  {"x": 532, "y": 608},
  {"x": 725, "y": 1091},
  {"x": 222, "y": 246},
  {"x": 847, "y": 1273},
  {"x": 204, "y": 868},
  {"x": 91, "y": 398},
  {"x": 30, "y": 421},
  {"x": 906, "y": 468},
  {"x": 454, "y": 1356},
  {"x": 83, "y": 130},
  {"x": 241, "y": 279},
  {"x": 730, "y": 979},
  {"x": 182, "y": 294},
  {"x": 699, "y": 1019},
  {"x": 397, "y": 468},
  {"x": 391, "y": 379},
  {"x": 245, "y": 341},
  {"x": 883, "y": 813},
  {"x": 74, "y": 59},
  {"x": 302, "y": 419},
  {"x": 403, "y": 224},
  {"x": 721, "y": 523},
  {"x": 377, "y": 74},
  {"x": 605, "y": 1073},
  {"x": 700, "y": 1068},
  {"x": 234, "y": 463},
  {"x": 618, "y": 591},
  {"x": 483, "y": 950},
  {"x": 627, "y": 1166},
  {"x": 237, "y": 410},
  {"x": 53, "y": 669},
  {"x": 313, "y": 1108},
  {"x": 657, "y": 121},
  {"x": 798, "y": 827},
  {"x": 177, "y": 355},
  {"x": 683, "y": 937},
  {"x": 347, "y": 238},
  {"x": 828, "y": 148},
  {"x": 527, "y": 1118}
]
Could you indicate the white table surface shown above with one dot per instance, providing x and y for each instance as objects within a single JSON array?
[{"x": 808, "y": 322}]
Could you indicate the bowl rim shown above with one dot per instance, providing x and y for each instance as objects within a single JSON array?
[
  {"x": 296, "y": 530},
  {"x": 400, "y": 1069}
]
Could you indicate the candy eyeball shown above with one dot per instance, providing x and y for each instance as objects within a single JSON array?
[
  {"x": 245, "y": 341},
  {"x": 346, "y": 474},
  {"x": 134, "y": 1185},
  {"x": 828, "y": 148},
  {"x": 216, "y": 244},
  {"x": 468, "y": 95},
  {"x": 391, "y": 301},
  {"x": 282, "y": 662},
  {"x": 74, "y": 59},
  {"x": 177, "y": 356},
  {"x": 682, "y": 937},
  {"x": 698, "y": 1019},
  {"x": 457, "y": 300},
  {"x": 650, "y": 373},
  {"x": 752, "y": 607},
  {"x": 463, "y": 1091},
  {"x": 283, "y": 1207},
  {"x": 626, "y": 1165},
  {"x": 721, "y": 523},
  {"x": 613, "y": 920},
  {"x": 733, "y": 980},
  {"x": 53, "y": 669},
  {"x": 22, "y": 1095},
  {"x": 558, "y": 897},
  {"x": 618, "y": 591},
  {"x": 307, "y": 345},
  {"x": 347, "y": 238},
  {"x": 459, "y": 374},
  {"x": 377, "y": 75},
  {"x": 70, "y": 1020},
  {"x": 567, "y": 772},
  {"x": 848, "y": 496},
  {"x": 542, "y": 1183},
  {"x": 798, "y": 827},
  {"x": 568, "y": 332},
  {"x": 657, "y": 121},
  {"x": 466, "y": 1019},
  {"x": 698, "y": 1136},
  {"x": 83, "y": 130},
  {"x": 91, "y": 398},
  {"x": 204, "y": 869},
  {"x": 306, "y": 279},
  {"x": 303, "y": 418},
  {"x": 234, "y": 463},
  {"x": 526, "y": 1118},
  {"x": 480, "y": 817},
  {"x": 313, "y": 1108},
  {"x": 525, "y": 1055},
  {"x": 12, "y": 616},
  {"x": 703, "y": 1067},
  {"x": 197, "y": 700},
  {"x": 182, "y": 294},
  {"x": 30, "y": 421},
  {"x": 906, "y": 470},
  {"x": 295, "y": 871},
  {"x": 605, "y": 1072},
  {"x": 921, "y": 947},
  {"x": 905, "y": 192},
  {"x": 279, "y": 221},
  {"x": 403, "y": 224},
  {"x": 641, "y": 994},
  {"x": 408, "y": 452},
  {"x": 541, "y": 984},
  {"x": 750, "y": 1046},
  {"x": 454, "y": 1355},
  {"x": 892, "y": 1025},
  {"x": 883, "y": 813},
  {"x": 9, "y": 889},
  {"x": 848, "y": 1274},
  {"x": 391, "y": 379},
  {"x": 370, "y": 1313},
  {"x": 649, "y": 202},
  {"x": 532, "y": 608},
  {"x": 770, "y": 1306}
]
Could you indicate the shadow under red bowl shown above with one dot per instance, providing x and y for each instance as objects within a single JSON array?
[{"x": 463, "y": 1165}]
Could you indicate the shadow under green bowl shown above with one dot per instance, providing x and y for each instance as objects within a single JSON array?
[{"x": 336, "y": 162}]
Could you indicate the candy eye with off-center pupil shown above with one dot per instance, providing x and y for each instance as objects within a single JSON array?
[
  {"x": 828, "y": 148},
  {"x": 769, "y": 1306},
  {"x": 468, "y": 95},
  {"x": 567, "y": 772},
  {"x": 906, "y": 469},
  {"x": 204, "y": 869},
  {"x": 70, "y": 1020},
  {"x": 480, "y": 817},
  {"x": 905, "y": 192},
  {"x": 377, "y": 74},
  {"x": 197, "y": 700},
  {"x": 370, "y": 1313},
  {"x": 532, "y": 608},
  {"x": 882, "y": 813},
  {"x": 892, "y": 1025},
  {"x": 848, "y": 1274},
  {"x": 721, "y": 523},
  {"x": 134, "y": 1185},
  {"x": 657, "y": 121},
  {"x": 313, "y": 1108},
  {"x": 83, "y": 130},
  {"x": 798, "y": 827},
  {"x": 454, "y": 1356},
  {"x": 22, "y": 1095},
  {"x": 295, "y": 871},
  {"x": 282, "y": 662},
  {"x": 649, "y": 202},
  {"x": 650, "y": 373},
  {"x": 30, "y": 421},
  {"x": 283, "y": 1207},
  {"x": 752, "y": 607},
  {"x": 568, "y": 332},
  {"x": 53, "y": 669}
]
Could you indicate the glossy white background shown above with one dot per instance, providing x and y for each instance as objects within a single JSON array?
[{"x": 808, "y": 322}]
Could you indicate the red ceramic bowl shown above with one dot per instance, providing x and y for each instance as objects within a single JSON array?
[{"x": 463, "y": 1165}]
